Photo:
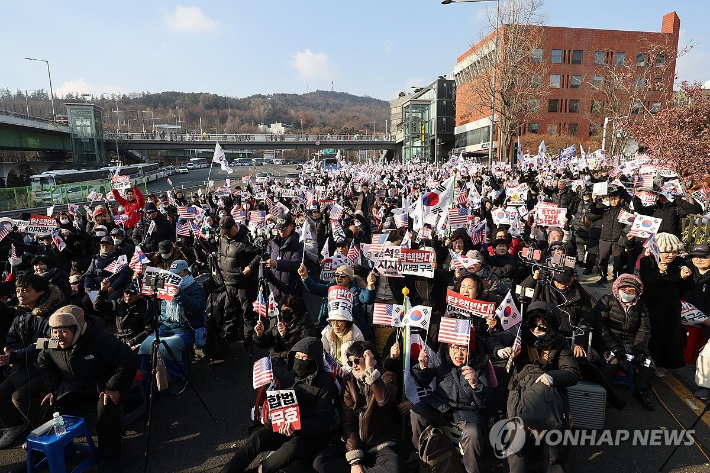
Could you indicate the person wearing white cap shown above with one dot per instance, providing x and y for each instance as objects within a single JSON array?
[{"x": 338, "y": 335}]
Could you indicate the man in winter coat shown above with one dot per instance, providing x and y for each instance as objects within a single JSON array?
[
  {"x": 285, "y": 256},
  {"x": 131, "y": 204},
  {"x": 369, "y": 393},
  {"x": 238, "y": 262},
  {"x": 698, "y": 294},
  {"x": 167, "y": 253},
  {"x": 611, "y": 231},
  {"x": 157, "y": 229},
  {"x": 89, "y": 364},
  {"x": 134, "y": 313},
  {"x": 670, "y": 208},
  {"x": 545, "y": 361},
  {"x": 316, "y": 395},
  {"x": 21, "y": 388},
  {"x": 177, "y": 322},
  {"x": 622, "y": 320},
  {"x": 97, "y": 273}
]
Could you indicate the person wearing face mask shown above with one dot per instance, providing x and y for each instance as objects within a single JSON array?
[
  {"x": 166, "y": 254},
  {"x": 293, "y": 325},
  {"x": 461, "y": 395},
  {"x": 122, "y": 244},
  {"x": 545, "y": 362},
  {"x": 622, "y": 319},
  {"x": 65, "y": 222},
  {"x": 664, "y": 281},
  {"x": 97, "y": 272},
  {"x": 316, "y": 394},
  {"x": 369, "y": 436},
  {"x": 157, "y": 228},
  {"x": 103, "y": 218}
]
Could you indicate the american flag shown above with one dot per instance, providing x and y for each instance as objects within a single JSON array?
[
  {"x": 257, "y": 216},
  {"x": 458, "y": 263},
  {"x": 458, "y": 216},
  {"x": 644, "y": 180},
  {"x": 454, "y": 331},
  {"x": 263, "y": 372},
  {"x": 336, "y": 212},
  {"x": 462, "y": 198},
  {"x": 517, "y": 348},
  {"x": 4, "y": 232},
  {"x": 182, "y": 230},
  {"x": 384, "y": 314},
  {"x": 117, "y": 265},
  {"x": 270, "y": 205},
  {"x": 137, "y": 260},
  {"x": 13, "y": 253},
  {"x": 197, "y": 230},
  {"x": 379, "y": 239},
  {"x": 260, "y": 305},
  {"x": 401, "y": 220},
  {"x": 332, "y": 366},
  {"x": 187, "y": 213},
  {"x": 354, "y": 252},
  {"x": 240, "y": 216},
  {"x": 478, "y": 233}
]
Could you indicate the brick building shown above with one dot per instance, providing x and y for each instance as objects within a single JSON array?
[{"x": 588, "y": 74}]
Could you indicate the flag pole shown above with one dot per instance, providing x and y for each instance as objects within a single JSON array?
[{"x": 404, "y": 351}]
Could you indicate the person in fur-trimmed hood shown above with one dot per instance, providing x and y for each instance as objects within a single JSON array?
[
  {"x": 623, "y": 322},
  {"x": 339, "y": 335}
]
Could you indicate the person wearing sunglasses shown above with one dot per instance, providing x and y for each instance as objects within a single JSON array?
[
  {"x": 369, "y": 433},
  {"x": 542, "y": 371},
  {"x": 364, "y": 291},
  {"x": 462, "y": 394},
  {"x": 293, "y": 325}
]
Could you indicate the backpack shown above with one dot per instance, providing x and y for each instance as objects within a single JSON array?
[
  {"x": 438, "y": 451},
  {"x": 540, "y": 407}
]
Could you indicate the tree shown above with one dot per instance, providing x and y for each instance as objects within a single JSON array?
[
  {"x": 519, "y": 35},
  {"x": 678, "y": 134},
  {"x": 306, "y": 120}
]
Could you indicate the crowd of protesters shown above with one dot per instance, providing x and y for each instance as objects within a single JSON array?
[{"x": 238, "y": 249}]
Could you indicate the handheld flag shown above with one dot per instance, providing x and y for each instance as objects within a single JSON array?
[
  {"x": 454, "y": 331},
  {"x": 418, "y": 316},
  {"x": 263, "y": 372},
  {"x": 508, "y": 313}
]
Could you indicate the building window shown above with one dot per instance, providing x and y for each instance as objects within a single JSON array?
[
  {"x": 660, "y": 60},
  {"x": 641, "y": 59},
  {"x": 574, "y": 106},
  {"x": 537, "y": 55},
  {"x": 535, "y": 80},
  {"x": 639, "y": 83},
  {"x": 594, "y": 129},
  {"x": 619, "y": 59},
  {"x": 599, "y": 58},
  {"x": 575, "y": 82},
  {"x": 533, "y": 127},
  {"x": 577, "y": 56},
  {"x": 596, "y": 106},
  {"x": 657, "y": 83},
  {"x": 655, "y": 107},
  {"x": 534, "y": 105},
  {"x": 553, "y": 105},
  {"x": 597, "y": 82},
  {"x": 636, "y": 107},
  {"x": 556, "y": 56},
  {"x": 554, "y": 81},
  {"x": 572, "y": 129},
  {"x": 551, "y": 128}
]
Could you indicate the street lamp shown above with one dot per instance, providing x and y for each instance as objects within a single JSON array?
[
  {"x": 495, "y": 66},
  {"x": 51, "y": 91}
]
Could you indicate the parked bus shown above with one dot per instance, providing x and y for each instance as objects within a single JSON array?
[
  {"x": 197, "y": 163},
  {"x": 70, "y": 185}
]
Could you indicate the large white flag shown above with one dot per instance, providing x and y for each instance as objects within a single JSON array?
[
  {"x": 541, "y": 150},
  {"x": 415, "y": 344},
  {"x": 219, "y": 158}
]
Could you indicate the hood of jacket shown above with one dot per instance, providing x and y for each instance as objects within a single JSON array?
[
  {"x": 550, "y": 315},
  {"x": 48, "y": 302},
  {"x": 311, "y": 346},
  {"x": 627, "y": 280}
]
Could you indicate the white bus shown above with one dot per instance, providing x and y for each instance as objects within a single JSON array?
[{"x": 197, "y": 163}]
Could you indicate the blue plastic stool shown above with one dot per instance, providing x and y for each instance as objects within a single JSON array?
[{"x": 57, "y": 450}]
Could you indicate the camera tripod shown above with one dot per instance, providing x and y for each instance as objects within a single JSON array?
[{"x": 154, "y": 351}]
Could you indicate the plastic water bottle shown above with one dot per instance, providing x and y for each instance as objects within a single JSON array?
[{"x": 58, "y": 423}]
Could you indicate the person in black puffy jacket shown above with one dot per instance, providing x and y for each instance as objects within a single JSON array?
[
  {"x": 97, "y": 272},
  {"x": 156, "y": 229},
  {"x": 285, "y": 256},
  {"x": 670, "y": 208},
  {"x": 611, "y": 231}
]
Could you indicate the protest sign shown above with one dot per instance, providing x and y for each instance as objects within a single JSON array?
[
  {"x": 340, "y": 302},
  {"x": 458, "y": 305},
  {"x": 328, "y": 271},
  {"x": 550, "y": 217},
  {"x": 645, "y": 226},
  {"x": 40, "y": 224},
  {"x": 600, "y": 188},
  {"x": 691, "y": 315},
  {"x": 121, "y": 182},
  {"x": 170, "y": 287},
  {"x": 283, "y": 408},
  {"x": 417, "y": 263},
  {"x": 647, "y": 198}
]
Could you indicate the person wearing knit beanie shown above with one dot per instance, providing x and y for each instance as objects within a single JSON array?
[{"x": 668, "y": 243}]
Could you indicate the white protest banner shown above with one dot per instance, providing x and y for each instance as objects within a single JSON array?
[
  {"x": 626, "y": 217},
  {"x": 283, "y": 407},
  {"x": 328, "y": 271},
  {"x": 600, "y": 188},
  {"x": 458, "y": 305},
  {"x": 340, "y": 302},
  {"x": 246, "y": 178},
  {"x": 93, "y": 195},
  {"x": 701, "y": 197},
  {"x": 121, "y": 182},
  {"x": 645, "y": 226},
  {"x": 288, "y": 193},
  {"x": 550, "y": 217},
  {"x": 40, "y": 224},
  {"x": 691, "y": 315},
  {"x": 417, "y": 263},
  {"x": 388, "y": 267},
  {"x": 647, "y": 198},
  {"x": 667, "y": 171}
]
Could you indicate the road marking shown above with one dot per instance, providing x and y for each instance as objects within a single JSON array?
[{"x": 683, "y": 393}]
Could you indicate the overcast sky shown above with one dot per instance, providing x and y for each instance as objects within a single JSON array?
[{"x": 240, "y": 48}]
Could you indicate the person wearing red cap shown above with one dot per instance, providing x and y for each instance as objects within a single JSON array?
[
  {"x": 461, "y": 394},
  {"x": 134, "y": 201}
]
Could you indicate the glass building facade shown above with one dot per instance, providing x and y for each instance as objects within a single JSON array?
[{"x": 87, "y": 135}]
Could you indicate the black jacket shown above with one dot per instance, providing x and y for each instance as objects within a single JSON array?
[
  {"x": 235, "y": 254},
  {"x": 698, "y": 293},
  {"x": 575, "y": 301},
  {"x": 625, "y": 330},
  {"x": 316, "y": 393},
  {"x": 133, "y": 323},
  {"x": 671, "y": 212},
  {"x": 164, "y": 230},
  {"x": 60, "y": 279},
  {"x": 288, "y": 255},
  {"x": 97, "y": 361},
  {"x": 279, "y": 346},
  {"x": 611, "y": 227}
]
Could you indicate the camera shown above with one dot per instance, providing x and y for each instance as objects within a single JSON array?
[
  {"x": 154, "y": 281},
  {"x": 47, "y": 343}
]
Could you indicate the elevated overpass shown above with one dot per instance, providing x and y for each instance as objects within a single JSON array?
[{"x": 22, "y": 133}]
